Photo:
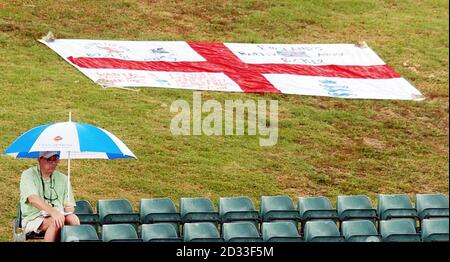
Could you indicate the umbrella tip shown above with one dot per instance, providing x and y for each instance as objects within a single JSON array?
[{"x": 70, "y": 116}]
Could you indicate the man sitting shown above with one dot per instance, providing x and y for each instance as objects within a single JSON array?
[{"x": 43, "y": 198}]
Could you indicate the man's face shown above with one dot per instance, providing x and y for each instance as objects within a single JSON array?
[{"x": 48, "y": 165}]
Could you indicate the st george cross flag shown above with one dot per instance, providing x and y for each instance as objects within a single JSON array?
[{"x": 335, "y": 70}]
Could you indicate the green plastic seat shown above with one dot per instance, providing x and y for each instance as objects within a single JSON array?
[
  {"x": 157, "y": 210},
  {"x": 435, "y": 229},
  {"x": 83, "y": 207},
  {"x": 399, "y": 230},
  {"x": 18, "y": 234},
  {"x": 278, "y": 208},
  {"x": 355, "y": 207},
  {"x": 201, "y": 232},
  {"x": 160, "y": 232},
  {"x": 431, "y": 205},
  {"x": 113, "y": 211},
  {"x": 237, "y": 209},
  {"x": 395, "y": 206},
  {"x": 360, "y": 231},
  {"x": 119, "y": 233},
  {"x": 240, "y": 232},
  {"x": 198, "y": 209},
  {"x": 322, "y": 231},
  {"x": 81, "y": 233},
  {"x": 280, "y": 231},
  {"x": 85, "y": 213},
  {"x": 316, "y": 208}
]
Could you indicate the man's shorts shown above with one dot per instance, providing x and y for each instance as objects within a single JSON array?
[{"x": 33, "y": 225}]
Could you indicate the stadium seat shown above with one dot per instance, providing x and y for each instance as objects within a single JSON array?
[
  {"x": 360, "y": 231},
  {"x": 395, "y": 206},
  {"x": 120, "y": 233},
  {"x": 316, "y": 208},
  {"x": 280, "y": 231},
  {"x": 18, "y": 234},
  {"x": 85, "y": 213},
  {"x": 399, "y": 230},
  {"x": 160, "y": 232},
  {"x": 198, "y": 210},
  {"x": 355, "y": 207},
  {"x": 278, "y": 208},
  {"x": 322, "y": 231},
  {"x": 201, "y": 232},
  {"x": 435, "y": 229},
  {"x": 237, "y": 209},
  {"x": 81, "y": 233},
  {"x": 157, "y": 210},
  {"x": 240, "y": 232},
  {"x": 431, "y": 205},
  {"x": 115, "y": 211}
]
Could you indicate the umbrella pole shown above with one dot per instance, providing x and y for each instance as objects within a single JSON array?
[
  {"x": 68, "y": 178},
  {"x": 68, "y": 167}
]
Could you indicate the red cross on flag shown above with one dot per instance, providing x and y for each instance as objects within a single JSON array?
[{"x": 335, "y": 70}]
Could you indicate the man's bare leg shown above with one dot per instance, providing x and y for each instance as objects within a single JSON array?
[
  {"x": 72, "y": 220},
  {"x": 50, "y": 229}
]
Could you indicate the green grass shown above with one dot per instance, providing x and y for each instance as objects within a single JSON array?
[{"x": 326, "y": 146}]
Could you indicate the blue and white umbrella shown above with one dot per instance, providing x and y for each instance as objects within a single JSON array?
[{"x": 72, "y": 140}]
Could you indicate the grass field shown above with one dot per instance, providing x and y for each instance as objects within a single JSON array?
[{"x": 326, "y": 146}]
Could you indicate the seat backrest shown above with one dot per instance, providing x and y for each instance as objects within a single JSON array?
[
  {"x": 432, "y": 205},
  {"x": 197, "y": 209},
  {"x": 357, "y": 206},
  {"x": 119, "y": 232},
  {"x": 78, "y": 233},
  {"x": 116, "y": 211},
  {"x": 159, "y": 232},
  {"x": 395, "y": 206},
  {"x": 280, "y": 231},
  {"x": 322, "y": 231},
  {"x": 18, "y": 219},
  {"x": 158, "y": 210},
  {"x": 399, "y": 230},
  {"x": 83, "y": 207},
  {"x": 201, "y": 232},
  {"x": 241, "y": 232},
  {"x": 237, "y": 208},
  {"x": 360, "y": 231},
  {"x": 316, "y": 208},
  {"x": 85, "y": 213},
  {"x": 435, "y": 229},
  {"x": 195, "y": 204},
  {"x": 278, "y": 208}
]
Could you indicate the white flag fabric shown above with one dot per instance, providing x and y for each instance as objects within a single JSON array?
[{"x": 334, "y": 70}]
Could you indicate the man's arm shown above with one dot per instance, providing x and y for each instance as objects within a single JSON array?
[{"x": 40, "y": 204}]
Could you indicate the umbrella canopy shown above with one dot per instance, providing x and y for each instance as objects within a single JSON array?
[{"x": 73, "y": 140}]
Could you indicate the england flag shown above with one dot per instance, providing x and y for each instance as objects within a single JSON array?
[{"x": 334, "y": 70}]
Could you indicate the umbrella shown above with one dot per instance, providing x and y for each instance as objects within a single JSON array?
[{"x": 72, "y": 140}]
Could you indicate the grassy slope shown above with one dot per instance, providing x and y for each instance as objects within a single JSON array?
[{"x": 326, "y": 146}]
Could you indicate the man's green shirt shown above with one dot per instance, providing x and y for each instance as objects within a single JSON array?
[{"x": 55, "y": 190}]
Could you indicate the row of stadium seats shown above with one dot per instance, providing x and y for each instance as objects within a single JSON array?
[
  {"x": 271, "y": 208},
  {"x": 396, "y": 230}
]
